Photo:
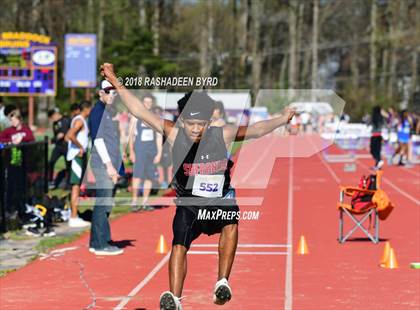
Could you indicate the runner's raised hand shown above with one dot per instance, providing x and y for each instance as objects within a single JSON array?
[
  {"x": 107, "y": 71},
  {"x": 289, "y": 112}
]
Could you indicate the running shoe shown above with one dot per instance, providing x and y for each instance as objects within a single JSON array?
[
  {"x": 77, "y": 222},
  {"x": 147, "y": 208},
  {"x": 169, "y": 301},
  {"x": 108, "y": 251},
  {"x": 222, "y": 292},
  {"x": 49, "y": 232},
  {"x": 29, "y": 224},
  {"x": 110, "y": 243},
  {"x": 135, "y": 208},
  {"x": 33, "y": 231}
]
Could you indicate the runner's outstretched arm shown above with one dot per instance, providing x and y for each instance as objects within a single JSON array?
[
  {"x": 232, "y": 133},
  {"x": 134, "y": 105}
]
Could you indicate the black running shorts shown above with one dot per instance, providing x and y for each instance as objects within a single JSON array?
[{"x": 192, "y": 221}]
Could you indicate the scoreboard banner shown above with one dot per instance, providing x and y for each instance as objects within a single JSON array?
[
  {"x": 80, "y": 60},
  {"x": 28, "y": 65}
]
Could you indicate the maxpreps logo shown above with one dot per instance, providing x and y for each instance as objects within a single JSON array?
[{"x": 215, "y": 215}]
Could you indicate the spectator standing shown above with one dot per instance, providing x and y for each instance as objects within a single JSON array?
[
  {"x": 145, "y": 153},
  {"x": 305, "y": 118},
  {"x": 107, "y": 166},
  {"x": 61, "y": 124},
  {"x": 219, "y": 115},
  {"x": 166, "y": 158},
  {"x": 78, "y": 140},
  {"x": 404, "y": 132},
  {"x": 17, "y": 132},
  {"x": 123, "y": 121},
  {"x": 4, "y": 122},
  {"x": 74, "y": 109},
  {"x": 377, "y": 121}
]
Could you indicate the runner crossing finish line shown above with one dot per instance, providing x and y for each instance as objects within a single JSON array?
[{"x": 201, "y": 180}]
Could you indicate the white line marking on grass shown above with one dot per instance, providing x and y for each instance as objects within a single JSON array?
[
  {"x": 143, "y": 283},
  {"x": 288, "y": 291},
  {"x": 239, "y": 253},
  {"x": 215, "y": 245}
]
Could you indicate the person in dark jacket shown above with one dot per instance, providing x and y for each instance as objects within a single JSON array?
[
  {"x": 376, "y": 137},
  {"x": 17, "y": 134},
  {"x": 61, "y": 125}
]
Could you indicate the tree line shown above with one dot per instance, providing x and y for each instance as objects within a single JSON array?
[{"x": 366, "y": 50}]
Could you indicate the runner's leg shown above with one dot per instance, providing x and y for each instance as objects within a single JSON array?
[
  {"x": 177, "y": 269},
  {"x": 184, "y": 231},
  {"x": 228, "y": 242},
  {"x": 75, "y": 191}
]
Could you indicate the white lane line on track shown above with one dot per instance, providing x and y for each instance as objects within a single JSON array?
[
  {"x": 413, "y": 170},
  {"x": 168, "y": 201},
  {"x": 143, "y": 283},
  {"x": 288, "y": 291},
  {"x": 215, "y": 245},
  {"x": 257, "y": 164},
  {"x": 239, "y": 253},
  {"x": 385, "y": 180},
  {"x": 324, "y": 162},
  {"x": 333, "y": 174}
]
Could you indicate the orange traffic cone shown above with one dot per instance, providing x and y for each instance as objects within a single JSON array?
[
  {"x": 302, "y": 246},
  {"x": 391, "y": 263},
  {"x": 385, "y": 254},
  {"x": 162, "y": 247}
]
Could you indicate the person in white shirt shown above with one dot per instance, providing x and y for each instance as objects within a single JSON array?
[{"x": 78, "y": 140}]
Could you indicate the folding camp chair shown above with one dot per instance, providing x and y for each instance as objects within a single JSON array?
[{"x": 358, "y": 217}]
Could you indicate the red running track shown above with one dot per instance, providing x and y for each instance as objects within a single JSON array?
[{"x": 300, "y": 198}]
